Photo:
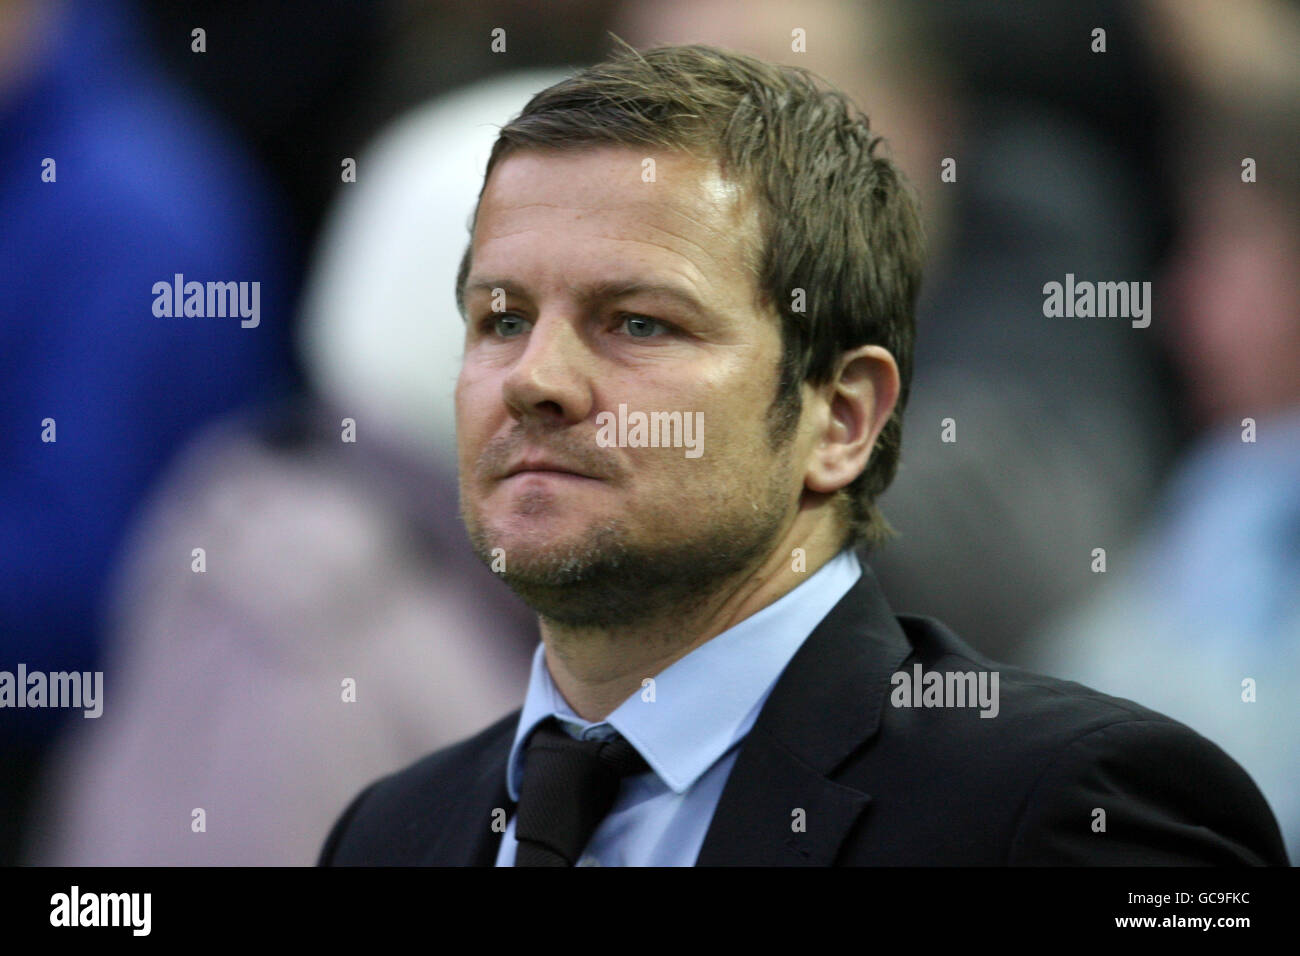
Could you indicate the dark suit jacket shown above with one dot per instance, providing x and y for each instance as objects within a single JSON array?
[{"x": 887, "y": 785}]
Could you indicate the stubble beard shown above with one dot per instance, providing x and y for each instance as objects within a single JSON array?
[{"x": 608, "y": 578}]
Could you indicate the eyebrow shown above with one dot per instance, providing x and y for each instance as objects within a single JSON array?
[{"x": 602, "y": 291}]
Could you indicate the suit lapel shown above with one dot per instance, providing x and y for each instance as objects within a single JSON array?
[
  {"x": 825, "y": 705},
  {"x": 468, "y": 837}
]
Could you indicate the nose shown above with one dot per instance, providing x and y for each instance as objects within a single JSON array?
[{"x": 550, "y": 380}]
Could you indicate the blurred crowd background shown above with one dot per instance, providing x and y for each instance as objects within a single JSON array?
[{"x": 328, "y": 560}]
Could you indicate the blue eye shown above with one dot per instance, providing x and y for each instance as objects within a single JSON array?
[
  {"x": 507, "y": 325},
  {"x": 640, "y": 327}
]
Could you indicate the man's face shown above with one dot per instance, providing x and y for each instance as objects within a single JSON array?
[{"x": 568, "y": 238}]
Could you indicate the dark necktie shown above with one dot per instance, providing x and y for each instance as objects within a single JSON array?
[{"x": 569, "y": 785}]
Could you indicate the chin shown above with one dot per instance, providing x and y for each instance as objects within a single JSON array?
[
  {"x": 534, "y": 538},
  {"x": 540, "y": 532}
]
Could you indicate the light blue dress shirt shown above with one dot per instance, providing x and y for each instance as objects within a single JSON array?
[{"x": 690, "y": 732}]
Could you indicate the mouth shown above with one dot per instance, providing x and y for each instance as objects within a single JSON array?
[{"x": 545, "y": 471}]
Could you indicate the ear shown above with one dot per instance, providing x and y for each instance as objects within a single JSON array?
[{"x": 856, "y": 404}]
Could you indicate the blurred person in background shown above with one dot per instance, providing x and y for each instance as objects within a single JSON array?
[
  {"x": 327, "y": 560},
  {"x": 1200, "y": 618},
  {"x": 1061, "y": 426},
  {"x": 110, "y": 182}
]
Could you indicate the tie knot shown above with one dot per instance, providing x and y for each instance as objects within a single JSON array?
[
  {"x": 569, "y": 785},
  {"x": 613, "y": 756}
]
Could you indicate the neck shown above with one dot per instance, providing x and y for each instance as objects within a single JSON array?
[{"x": 596, "y": 669}]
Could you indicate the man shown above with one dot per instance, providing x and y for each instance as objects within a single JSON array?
[{"x": 689, "y": 302}]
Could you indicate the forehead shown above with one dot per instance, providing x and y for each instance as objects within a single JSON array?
[{"x": 549, "y": 210}]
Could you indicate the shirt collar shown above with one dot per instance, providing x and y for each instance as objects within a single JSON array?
[{"x": 704, "y": 703}]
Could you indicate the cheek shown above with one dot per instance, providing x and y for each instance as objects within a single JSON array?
[
  {"x": 733, "y": 435},
  {"x": 463, "y": 405},
  {"x": 475, "y": 388},
  {"x": 473, "y": 418}
]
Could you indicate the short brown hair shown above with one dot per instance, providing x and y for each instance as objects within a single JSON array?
[{"x": 837, "y": 221}]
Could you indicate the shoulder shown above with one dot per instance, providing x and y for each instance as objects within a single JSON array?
[
  {"x": 1059, "y": 773},
  {"x": 396, "y": 812},
  {"x": 945, "y": 682}
]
